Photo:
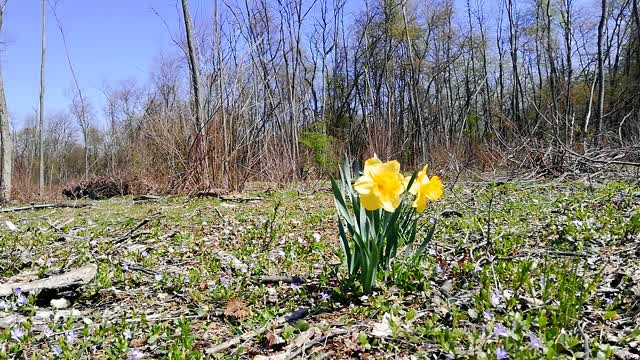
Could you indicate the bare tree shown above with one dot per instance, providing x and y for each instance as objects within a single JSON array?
[
  {"x": 80, "y": 110},
  {"x": 6, "y": 147},
  {"x": 201, "y": 136},
  {"x": 79, "y": 106},
  {"x": 601, "y": 85},
  {"x": 41, "y": 112},
  {"x": 274, "y": 85}
]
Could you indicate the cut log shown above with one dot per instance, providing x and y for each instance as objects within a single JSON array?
[{"x": 69, "y": 280}]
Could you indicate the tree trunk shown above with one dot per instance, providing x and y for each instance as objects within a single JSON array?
[
  {"x": 513, "y": 47},
  {"x": 201, "y": 143},
  {"x": 41, "y": 122},
  {"x": 6, "y": 146},
  {"x": 601, "y": 25},
  {"x": 569, "y": 115}
]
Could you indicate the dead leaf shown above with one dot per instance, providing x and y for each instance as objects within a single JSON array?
[
  {"x": 383, "y": 328},
  {"x": 273, "y": 341},
  {"x": 139, "y": 342},
  {"x": 11, "y": 226},
  {"x": 236, "y": 310}
]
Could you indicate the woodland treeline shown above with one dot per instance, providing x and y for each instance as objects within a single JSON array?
[{"x": 284, "y": 88}]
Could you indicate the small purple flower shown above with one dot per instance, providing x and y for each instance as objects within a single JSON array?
[
  {"x": 136, "y": 354},
  {"x": 501, "y": 331},
  {"x": 48, "y": 332},
  {"x": 71, "y": 337},
  {"x": 4, "y": 305},
  {"x": 22, "y": 300},
  {"x": 144, "y": 253},
  {"x": 317, "y": 236},
  {"x": 17, "y": 290},
  {"x": 292, "y": 255},
  {"x": 438, "y": 268},
  {"x": 295, "y": 286},
  {"x": 158, "y": 277},
  {"x": 324, "y": 296},
  {"x": 450, "y": 357},
  {"x": 608, "y": 302},
  {"x": 488, "y": 315},
  {"x": 534, "y": 342},
  {"x": 543, "y": 281},
  {"x": 495, "y": 298},
  {"x": 244, "y": 270},
  {"x": 501, "y": 354},
  {"x": 185, "y": 279},
  {"x": 224, "y": 281},
  {"x": 125, "y": 267},
  {"x": 252, "y": 265},
  {"x": 17, "y": 333},
  {"x": 57, "y": 350},
  {"x": 281, "y": 253}
]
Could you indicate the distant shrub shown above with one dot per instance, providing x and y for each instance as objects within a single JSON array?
[{"x": 322, "y": 147}]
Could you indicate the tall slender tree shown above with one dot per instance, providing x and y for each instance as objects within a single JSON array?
[
  {"x": 601, "y": 85},
  {"x": 41, "y": 112},
  {"x": 6, "y": 145},
  {"x": 201, "y": 136}
]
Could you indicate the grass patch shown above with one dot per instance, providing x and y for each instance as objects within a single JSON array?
[{"x": 530, "y": 269}]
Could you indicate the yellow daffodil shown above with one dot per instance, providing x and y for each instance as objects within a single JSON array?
[
  {"x": 381, "y": 185},
  {"x": 425, "y": 189}
]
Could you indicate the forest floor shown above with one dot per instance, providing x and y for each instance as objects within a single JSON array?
[{"x": 524, "y": 269}]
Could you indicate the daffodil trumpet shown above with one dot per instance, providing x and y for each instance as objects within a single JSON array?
[{"x": 383, "y": 216}]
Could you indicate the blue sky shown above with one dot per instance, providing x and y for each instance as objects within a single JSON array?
[{"x": 108, "y": 41}]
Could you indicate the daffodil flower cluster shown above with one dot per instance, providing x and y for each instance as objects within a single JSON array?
[
  {"x": 381, "y": 186},
  {"x": 379, "y": 215}
]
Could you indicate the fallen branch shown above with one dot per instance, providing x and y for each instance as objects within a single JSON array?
[
  {"x": 142, "y": 198},
  {"x": 298, "y": 314},
  {"x": 607, "y": 162},
  {"x": 299, "y": 351},
  {"x": 141, "y": 269},
  {"x": 43, "y": 206},
  {"x": 585, "y": 341},
  {"x": 74, "y": 278},
  {"x": 169, "y": 235},
  {"x": 131, "y": 232},
  {"x": 213, "y": 194},
  {"x": 220, "y": 195},
  {"x": 272, "y": 279},
  {"x": 240, "y": 199}
]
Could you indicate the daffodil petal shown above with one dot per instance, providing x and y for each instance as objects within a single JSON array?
[
  {"x": 392, "y": 167},
  {"x": 420, "y": 203},
  {"x": 370, "y": 201},
  {"x": 381, "y": 185},
  {"x": 364, "y": 185},
  {"x": 433, "y": 190}
]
